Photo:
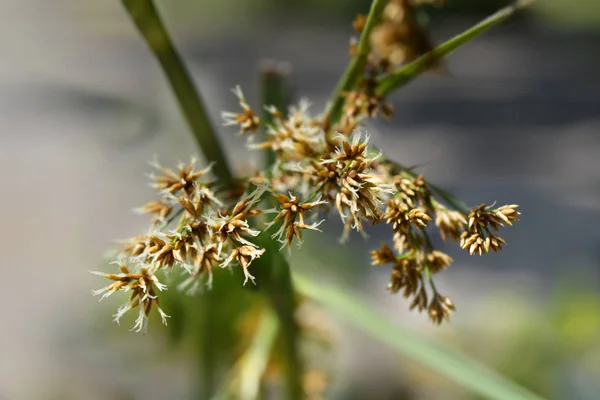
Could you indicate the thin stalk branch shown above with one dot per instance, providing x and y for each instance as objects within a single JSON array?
[
  {"x": 273, "y": 93},
  {"x": 148, "y": 22},
  {"x": 412, "y": 70},
  {"x": 356, "y": 68}
]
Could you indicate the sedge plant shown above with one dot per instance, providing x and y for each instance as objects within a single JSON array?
[{"x": 317, "y": 165}]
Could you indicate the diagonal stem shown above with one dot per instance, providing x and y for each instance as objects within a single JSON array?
[
  {"x": 356, "y": 67},
  {"x": 148, "y": 22},
  {"x": 412, "y": 70}
]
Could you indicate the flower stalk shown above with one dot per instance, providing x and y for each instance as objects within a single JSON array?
[
  {"x": 414, "y": 69},
  {"x": 356, "y": 67},
  {"x": 148, "y": 22},
  {"x": 277, "y": 282}
]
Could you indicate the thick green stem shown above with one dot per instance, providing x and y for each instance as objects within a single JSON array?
[
  {"x": 207, "y": 352},
  {"x": 275, "y": 270},
  {"x": 146, "y": 18},
  {"x": 273, "y": 93},
  {"x": 412, "y": 70},
  {"x": 356, "y": 68}
]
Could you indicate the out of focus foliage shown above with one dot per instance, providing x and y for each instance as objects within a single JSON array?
[{"x": 550, "y": 348}]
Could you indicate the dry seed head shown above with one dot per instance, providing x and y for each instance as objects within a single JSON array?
[
  {"x": 142, "y": 285},
  {"x": 349, "y": 182},
  {"x": 244, "y": 255},
  {"x": 472, "y": 242},
  {"x": 291, "y": 212},
  {"x": 383, "y": 255},
  {"x": 134, "y": 246},
  {"x": 420, "y": 300},
  {"x": 406, "y": 275},
  {"x": 399, "y": 38},
  {"x": 413, "y": 190},
  {"x": 401, "y": 216},
  {"x": 160, "y": 209},
  {"x": 359, "y": 23},
  {"x": 394, "y": 11},
  {"x": 159, "y": 251},
  {"x": 202, "y": 264},
  {"x": 362, "y": 104},
  {"x": 437, "y": 261},
  {"x": 184, "y": 180},
  {"x": 508, "y": 213},
  {"x": 440, "y": 309},
  {"x": 247, "y": 120},
  {"x": 449, "y": 223}
]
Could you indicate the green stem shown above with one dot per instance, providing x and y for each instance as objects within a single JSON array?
[
  {"x": 148, "y": 22},
  {"x": 207, "y": 352},
  {"x": 357, "y": 67},
  {"x": 458, "y": 205},
  {"x": 273, "y": 92},
  {"x": 274, "y": 268},
  {"x": 314, "y": 194},
  {"x": 412, "y": 70}
]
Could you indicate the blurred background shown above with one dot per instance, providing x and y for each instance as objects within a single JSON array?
[{"x": 84, "y": 107}]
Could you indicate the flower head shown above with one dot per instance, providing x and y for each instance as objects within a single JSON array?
[
  {"x": 244, "y": 255},
  {"x": 142, "y": 285},
  {"x": 247, "y": 119},
  {"x": 440, "y": 309},
  {"x": 291, "y": 212},
  {"x": 183, "y": 180}
]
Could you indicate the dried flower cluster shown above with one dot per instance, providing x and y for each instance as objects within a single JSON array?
[
  {"x": 397, "y": 39},
  {"x": 400, "y": 38},
  {"x": 320, "y": 166},
  {"x": 197, "y": 227}
]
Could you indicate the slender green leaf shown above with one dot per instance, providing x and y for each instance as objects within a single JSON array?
[
  {"x": 244, "y": 380},
  {"x": 466, "y": 372},
  {"x": 257, "y": 357},
  {"x": 410, "y": 71}
]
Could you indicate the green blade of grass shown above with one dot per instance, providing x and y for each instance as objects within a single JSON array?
[
  {"x": 410, "y": 71},
  {"x": 464, "y": 371}
]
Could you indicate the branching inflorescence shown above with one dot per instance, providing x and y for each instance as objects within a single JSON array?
[{"x": 322, "y": 164}]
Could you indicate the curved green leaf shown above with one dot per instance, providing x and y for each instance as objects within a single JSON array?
[{"x": 464, "y": 371}]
